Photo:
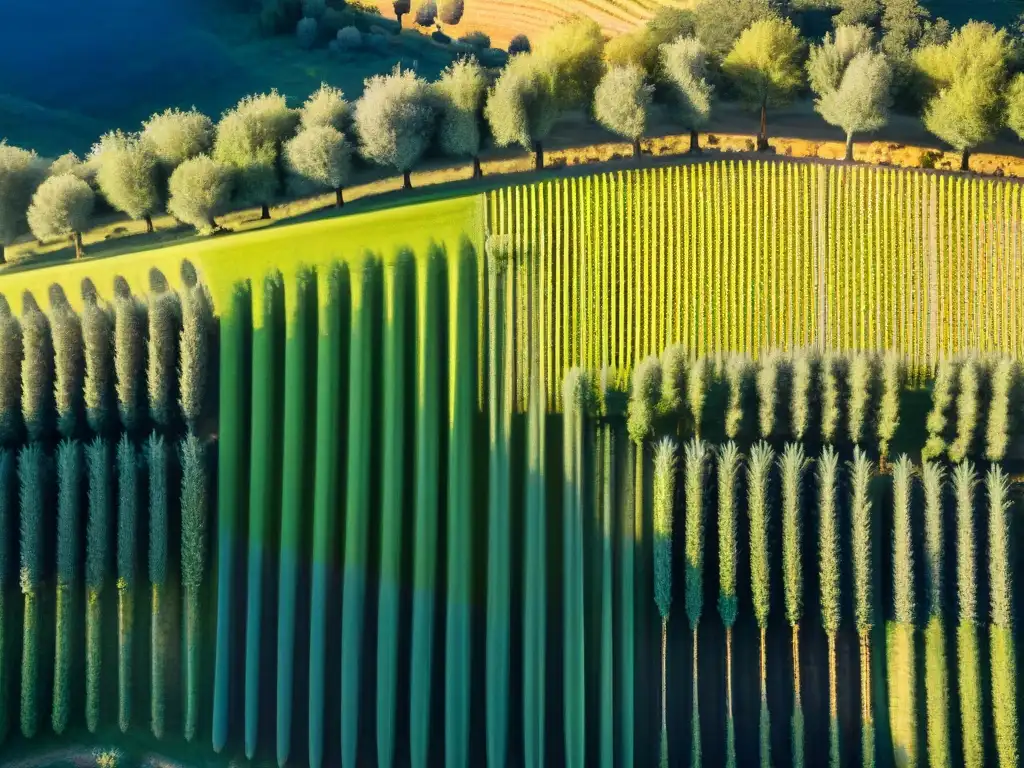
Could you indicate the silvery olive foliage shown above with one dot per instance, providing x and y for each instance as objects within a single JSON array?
[
  {"x": 176, "y": 136},
  {"x": 317, "y": 159},
  {"x": 827, "y": 63},
  {"x": 61, "y": 207},
  {"x": 395, "y": 119},
  {"x": 200, "y": 190},
  {"x": 521, "y": 108},
  {"x": 126, "y": 172},
  {"x": 21, "y": 172},
  {"x": 326, "y": 106},
  {"x": 684, "y": 66},
  {"x": 462, "y": 88},
  {"x": 622, "y": 101}
]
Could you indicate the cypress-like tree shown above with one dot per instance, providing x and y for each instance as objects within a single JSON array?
[
  {"x": 1001, "y": 644},
  {"x": 647, "y": 392},
  {"x": 833, "y": 396},
  {"x": 829, "y": 575},
  {"x": 673, "y": 382},
  {"x": 10, "y": 374},
  {"x": 698, "y": 382},
  {"x": 728, "y": 603},
  {"x": 936, "y": 680},
  {"x": 69, "y": 493},
  {"x": 37, "y": 391},
  {"x": 159, "y": 498},
  {"x": 8, "y": 518},
  {"x": 863, "y": 390},
  {"x": 69, "y": 362},
  {"x": 161, "y": 375},
  {"x": 98, "y": 337},
  {"x": 968, "y": 409},
  {"x": 97, "y": 564},
  {"x": 759, "y": 472},
  {"x": 663, "y": 499},
  {"x": 129, "y": 356},
  {"x": 576, "y": 400},
  {"x": 362, "y": 354},
  {"x": 499, "y": 400},
  {"x": 861, "y": 470},
  {"x": 774, "y": 392},
  {"x": 32, "y": 498},
  {"x": 1002, "y": 407},
  {"x": 738, "y": 372},
  {"x": 127, "y": 532},
  {"x": 806, "y": 373},
  {"x": 792, "y": 465},
  {"x": 194, "y": 343},
  {"x": 944, "y": 394},
  {"x": 902, "y": 666},
  {"x": 195, "y": 500},
  {"x": 965, "y": 481},
  {"x": 695, "y": 463},
  {"x": 893, "y": 380}
]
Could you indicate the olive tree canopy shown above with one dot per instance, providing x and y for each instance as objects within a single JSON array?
[
  {"x": 395, "y": 119},
  {"x": 572, "y": 51},
  {"x": 326, "y": 106},
  {"x": 200, "y": 189},
  {"x": 176, "y": 136},
  {"x": 861, "y": 101},
  {"x": 318, "y": 158},
  {"x": 462, "y": 88},
  {"x": 61, "y": 207},
  {"x": 684, "y": 67},
  {"x": 126, "y": 172},
  {"x": 827, "y": 62},
  {"x": 521, "y": 108},
  {"x": 21, "y": 172},
  {"x": 621, "y": 102}
]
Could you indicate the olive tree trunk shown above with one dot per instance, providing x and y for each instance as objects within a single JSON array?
[
  {"x": 849, "y": 147},
  {"x": 538, "y": 156},
  {"x": 339, "y": 198},
  {"x": 694, "y": 142},
  {"x": 264, "y": 211},
  {"x": 406, "y": 179},
  {"x": 762, "y": 137},
  {"x": 965, "y": 160}
]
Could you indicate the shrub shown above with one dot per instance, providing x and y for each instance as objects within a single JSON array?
[
  {"x": 719, "y": 25},
  {"x": 69, "y": 362},
  {"x": 97, "y": 564},
  {"x": 944, "y": 393},
  {"x": 395, "y": 120},
  {"x": 164, "y": 327},
  {"x": 126, "y": 171},
  {"x": 518, "y": 44},
  {"x": 32, "y": 499},
  {"x": 175, "y": 136},
  {"x": 571, "y": 52},
  {"x": 326, "y": 106},
  {"x": 10, "y": 374},
  {"x": 621, "y": 103},
  {"x": 159, "y": 497},
  {"x": 306, "y": 33},
  {"x": 21, "y": 172},
  {"x": 462, "y": 88},
  {"x": 37, "y": 389},
  {"x": 194, "y": 512},
  {"x": 194, "y": 343},
  {"x": 968, "y": 408},
  {"x": 129, "y": 357},
  {"x": 61, "y": 207},
  {"x": 684, "y": 68},
  {"x": 69, "y": 486},
  {"x": 200, "y": 190},
  {"x": 318, "y": 159},
  {"x": 476, "y": 39},
  {"x": 451, "y": 12},
  {"x": 98, "y": 339},
  {"x": 426, "y": 14},
  {"x": 1004, "y": 384},
  {"x": 521, "y": 108},
  {"x": 349, "y": 39},
  {"x": 646, "y": 392}
]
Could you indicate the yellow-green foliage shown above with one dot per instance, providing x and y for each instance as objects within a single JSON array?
[
  {"x": 829, "y": 563},
  {"x": 728, "y": 471},
  {"x": 164, "y": 322},
  {"x": 698, "y": 382},
  {"x": 98, "y": 335},
  {"x": 36, "y": 370},
  {"x": 647, "y": 386},
  {"x": 695, "y": 469},
  {"x": 69, "y": 362},
  {"x": 1005, "y": 374},
  {"x": 893, "y": 380},
  {"x": 772, "y": 391},
  {"x": 194, "y": 345},
  {"x": 738, "y": 369},
  {"x": 10, "y": 374},
  {"x": 901, "y": 666},
  {"x": 805, "y": 391},
  {"x": 972, "y": 726},
  {"x": 664, "y": 497},
  {"x": 129, "y": 357},
  {"x": 944, "y": 392},
  {"x": 1000, "y": 577},
  {"x": 863, "y": 381},
  {"x": 792, "y": 465},
  {"x": 861, "y": 470},
  {"x": 833, "y": 395},
  {"x": 967, "y": 410},
  {"x": 965, "y": 481},
  {"x": 762, "y": 457}
]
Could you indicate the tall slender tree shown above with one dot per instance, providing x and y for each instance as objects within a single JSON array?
[
  {"x": 159, "y": 500},
  {"x": 98, "y": 461},
  {"x": 69, "y": 491},
  {"x": 1001, "y": 643},
  {"x": 792, "y": 465},
  {"x": 829, "y": 575},
  {"x": 861, "y": 471},
  {"x": 762, "y": 457},
  {"x": 728, "y": 603},
  {"x": 32, "y": 497},
  {"x": 127, "y": 532},
  {"x": 936, "y": 680},
  {"x": 965, "y": 481},
  {"x": 195, "y": 501},
  {"x": 696, "y": 455},
  {"x": 664, "y": 498},
  {"x": 902, "y": 656}
]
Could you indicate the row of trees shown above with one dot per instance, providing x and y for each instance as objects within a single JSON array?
[
  {"x": 197, "y": 170},
  {"x": 830, "y": 398}
]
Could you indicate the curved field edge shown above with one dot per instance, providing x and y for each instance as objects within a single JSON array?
[{"x": 223, "y": 262}]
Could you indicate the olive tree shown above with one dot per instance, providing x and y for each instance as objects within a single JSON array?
[
  {"x": 395, "y": 119},
  {"x": 966, "y": 78},
  {"x": 621, "y": 103},
  {"x": 521, "y": 108},
  {"x": 827, "y": 63},
  {"x": 764, "y": 65},
  {"x": 200, "y": 189},
  {"x": 519, "y": 44},
  {"x": 326, "y": 106},
  {"x": 317, "y": 159},
  {"x": 175, "y": 136},
  {"x": 126, "y": 172},
  {"x": 426, "y": 14},
  {"x": 720, "y": 24},
  {"x": 572, "y": 51},
  {"x": 451, "y": 11},
  {"x": 684, "y": 67},
  {"x": 862, "y": 100},
  {"x": 462, "y": 88},
  {"x": 401, "y": 7},
  {"x": 249, "y": 139},
  {"x": 61, "y": 207},
  {"x": 1015, "y": 105},
  {"x": 21, "y": 172}
]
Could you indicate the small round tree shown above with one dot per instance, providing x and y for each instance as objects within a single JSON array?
[
  {"x": 326, "y": 106},
  {"x": 621, "y": 102},
  {"x": 126, "y": 173},
  {"x": 764, "y": 66},
  {"x": 175, "y": 136},
  {"x": 451, "y": 11},
  {"x": 395, "y": 119},
  {"x": 521, "y": 108},
  {"x": 462, "y": 88},
  {"x": 426, "y": 14},
  {"x": 318, "y": 159},
  {"x": 21, "y": 172},
  {"x": 249, "y": 138},
  {"x": 684, "y": 67},
  {"x": 200, "y": 189},
  {"x": 61, "y": 207},
  {"x": 518, "y": 44},
  {"x": 401, "y": 7}
]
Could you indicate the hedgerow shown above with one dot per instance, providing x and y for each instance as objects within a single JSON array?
[
  {"x": 98, "y": 461},
  {"x": 195, "y": 501},
  {"x": 663, "y": 500},
  {"x": 32, "y": 498},
  {"x": 159, "y": 500}
]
